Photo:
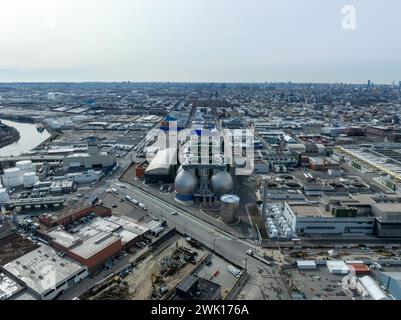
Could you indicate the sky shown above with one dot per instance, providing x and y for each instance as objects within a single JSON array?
[{"x": 200, "y": 40}]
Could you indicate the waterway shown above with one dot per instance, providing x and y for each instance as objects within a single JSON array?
[{"x": 30, "y": 137}]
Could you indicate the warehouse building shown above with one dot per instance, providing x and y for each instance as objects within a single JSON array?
[
  {"x": 387, "y": 211},
  {"x": 66, "y": 217},
  {"x": 92, "y": 159},
  {"x": 58, "y": 188},
  {"x": 162, "y": 166},
  {"x": 44, "y": 273},
  {"x": 93, "y": 244}
]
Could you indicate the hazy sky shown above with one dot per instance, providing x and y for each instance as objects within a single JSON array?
[{"x": 199, "y": 40}]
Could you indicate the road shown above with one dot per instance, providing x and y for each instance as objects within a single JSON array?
[{"x": 267, "y": 278}]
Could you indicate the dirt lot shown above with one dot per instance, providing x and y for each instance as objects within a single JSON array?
[
  {"x": 14, "y": 246},
  {"x": 140, "y": 283},
  {"x": 320, "y": 284}
]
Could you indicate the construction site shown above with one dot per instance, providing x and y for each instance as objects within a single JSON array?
[{"x": 162, "y": 273}]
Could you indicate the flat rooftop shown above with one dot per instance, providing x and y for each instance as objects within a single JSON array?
[
  {"x": 127, "y": 224},
  {"x": 8, "y": 287},
  {"x": 95, "y": 244},
  {"x": 309, "y": 211},
  {"x": 63, "y": 238},
  {"x": 42, "y": 269},
  {"x": 86, "y": 234}
]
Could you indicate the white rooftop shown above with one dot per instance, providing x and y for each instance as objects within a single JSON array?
[
  {"x": 8, "y": 287},
  {"x": 94, "y": 244},
  {"x": 42, "y": 269},
  {"x": 63, "y": 238}
]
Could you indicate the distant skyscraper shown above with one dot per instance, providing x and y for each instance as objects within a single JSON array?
[{"x": 368, "y": 83}]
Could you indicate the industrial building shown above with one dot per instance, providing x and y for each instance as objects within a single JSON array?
[
  {"x": 94, "y": 158},
  {"x": 388, "y": 216},
  {"x": 64, "y": 218},
  {"x": 203, "y": 172},
  {"x": 162, "y": 166},
  {"x": 44, "y": 273},
  {"x": 303, "y": 218},
  {"x": 58, "y": 188},
  {"x": 81, "y": 177},
  {"x": 314, "y": 219},
  {"x": 96, "y": 242},
  {"x": 196, "y": 288}
]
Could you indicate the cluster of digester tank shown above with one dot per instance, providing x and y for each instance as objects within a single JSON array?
[
  {"x": 186, "y": 184},
  {"x": 277, "y": 224},
  {"x": 220, "y": 185}
]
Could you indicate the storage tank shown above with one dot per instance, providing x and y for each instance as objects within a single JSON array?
[
  {"x": 12, "y": 177},
  {"x": 4, "y": 197},
  {"x": 222, "y": 183},
  {"x": 230, "y": 212},
  {"x": 185, "y": 184},
  {"x": 24, "y": 165},
  {"x": 30, "y": 178}
]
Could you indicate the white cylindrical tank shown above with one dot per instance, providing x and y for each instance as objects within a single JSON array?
[
  {"x": 30, "y": 178},
  {"x": 24, "y": 165},
  {"x": 11, "y": 172},
  {"x": 4, "y": 197},
  {"x": 12, "y": 177}
]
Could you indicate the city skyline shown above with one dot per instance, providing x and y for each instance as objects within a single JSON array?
[{"x": 198, "y": 41}]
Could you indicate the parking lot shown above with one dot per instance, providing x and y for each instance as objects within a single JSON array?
[{"x": 120, "y": 206}]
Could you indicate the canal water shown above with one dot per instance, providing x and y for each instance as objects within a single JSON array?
[{"x": 30, "y": 137}]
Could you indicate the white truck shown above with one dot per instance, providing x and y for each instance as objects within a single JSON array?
[
  {"x": 234, "y": 271},
  {"x": 157, "y": 231},
  {"x": 257, "y": 256}
]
